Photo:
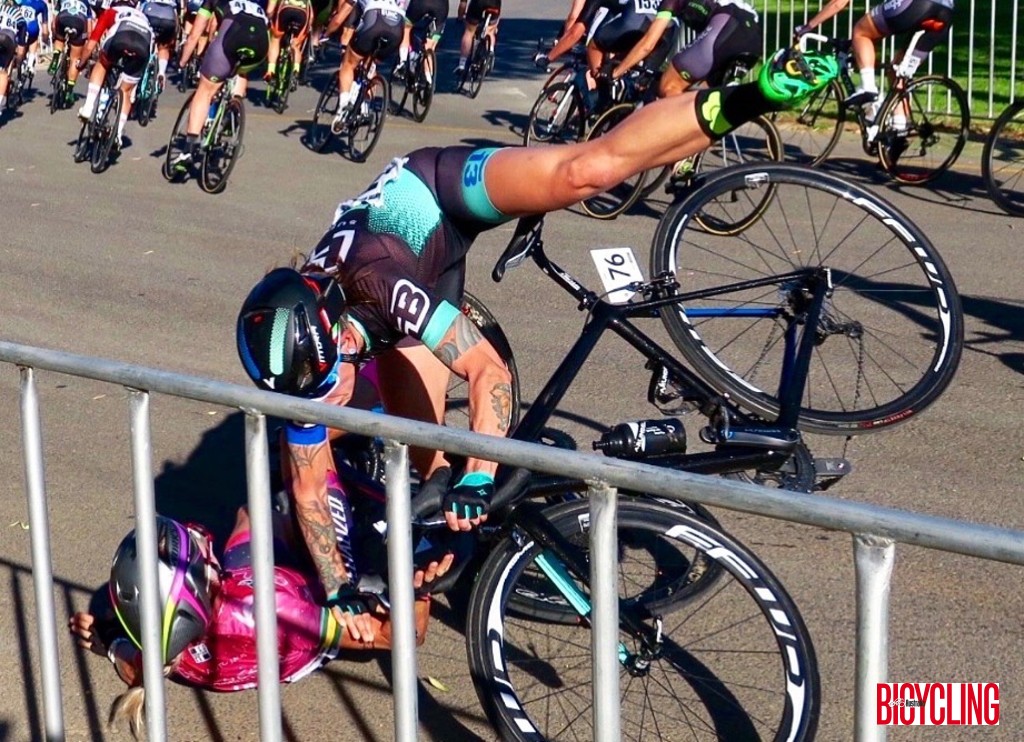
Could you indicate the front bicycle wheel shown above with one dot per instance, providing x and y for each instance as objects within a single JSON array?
[
  {"x": 177, "y": 143},
  {"x": 367, "y": 119},
  {"x": 104, "y": 132},
  {"x": 424, "y": 85},
  {"x": 811, "y": 132},
  {"x": 326, "y": 109},
  {"x": 733, "y": 661},
  {"x": 620, "y": 197},
  {"x": 556, "y": 117},
  {"x": 923, "y": 129},
  {"x": 225, "y": 148},
  {"x": 890, "y": 333},
  {"x": 1002, "y": 161},
  {"x": 457, "y": 404}
]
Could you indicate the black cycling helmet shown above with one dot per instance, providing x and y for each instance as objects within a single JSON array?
[
  {"x": 183, "y": 578},
  {"x": 287, "y": 337}
]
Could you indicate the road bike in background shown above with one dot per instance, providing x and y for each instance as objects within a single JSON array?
[
  {"x": 480, "y": 61},
  {"x": 1002, "y": 160},
  {"x": 360, "y": 127},
  {"x": 417, "y": 78}
]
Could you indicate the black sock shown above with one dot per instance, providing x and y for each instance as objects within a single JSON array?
[{"x": 720, "y": 110}]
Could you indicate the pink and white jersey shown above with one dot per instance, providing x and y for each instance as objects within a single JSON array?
[{"x": 225, "y": 660}]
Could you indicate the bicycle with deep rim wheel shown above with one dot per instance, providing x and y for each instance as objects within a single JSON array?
[
  {"x": 61, "y": 90},
  {"x": 480, "y": 61},
  {"x": 98, "y": 138},
  {"x": 1002, "y": 160},
  {"x": 917, "y": 132},
  {"x": 417, "y": 79},
  {"x": 149, "y": 90},
  {"x": 285, "y": 81},
  {"x": 360, "y": 126}
]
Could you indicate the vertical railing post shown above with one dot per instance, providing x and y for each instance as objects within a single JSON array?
[
  {"x": 400, "y": 590},
  {"x": 874, "y": 557},
  {"x": 604, "y": 592},
  {"x": 145, "y": 541},
  {"x": 42, "y": 567},
  {"x": 257, "y": 471}
]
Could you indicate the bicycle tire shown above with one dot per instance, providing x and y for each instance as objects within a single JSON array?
[
  {"x": 57, "y": 83},
  {"x": 423, "y": 92},
  {"x": 326, "y": 108},
  {"x": 284, "y": 83},
  {"x": 225, "y": 148},
  {"x": 619, "y": 198},
  {"x": 147, "y": 98},
  {"x": 815, "y": 219},
  {"x": 813, "y": 135},
  {"x": 176, "y": 143},
  {"x": 756, "y": 141},
  {"x": 399, "y": 80},
  {"x": 478, "y": 66},
  {"x": 370, "y": 110},
  {"x": 457, "y": 404},
  {"x": 556, "y": 116},
  {"x": 914, "y": 155},
  {"x": 104, "y": 131},
  {"x": 532, "y": 675},
  {"x": 1002, "y": 160},
  {"x": 82, "y": 144}
]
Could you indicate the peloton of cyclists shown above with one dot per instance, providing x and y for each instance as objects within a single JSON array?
[{"x": 124, "y": 37}]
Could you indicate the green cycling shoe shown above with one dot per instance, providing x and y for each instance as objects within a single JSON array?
[{"x": 790, "y": 75}]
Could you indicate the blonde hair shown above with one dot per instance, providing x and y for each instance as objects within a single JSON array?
[{"x": 130, "y": 707}]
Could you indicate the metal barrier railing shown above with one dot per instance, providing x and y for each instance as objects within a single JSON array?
[{"x": 875, "y": 531}]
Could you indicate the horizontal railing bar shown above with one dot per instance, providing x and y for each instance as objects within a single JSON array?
[{"x": 930, "y": 531}]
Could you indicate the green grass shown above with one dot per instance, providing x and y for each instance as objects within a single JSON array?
[{"x": 997, "y": 47}]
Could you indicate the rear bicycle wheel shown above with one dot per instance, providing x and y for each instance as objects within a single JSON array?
[
  {"x": 399, "y": 84},
  {"x": 811, "y": 132},
  {"x": 1002, "y": 161},
  {"x": 735, "y": 660},
  {"x": 104, "y": 132},
  {"x": 284, "y": 83},
  {"x": 368, "y": 114},
  {"x": 225, "y": 148},
  {"x": 424, "y": 85},
  {"x": 890, "y": 335},
  {"x": 58, "y": 83},
  {"x": 556, "y": 116},
  {"x": 477, "y": 65},
  {"x": 756, "y": 141},
  {"x": 326, "y": 109},
  {"x": 923, "y": 130},
  {"x": 177, "y": 143},
  {"x": 618, "y": 198},
  {"x": 83, "y": 146}
]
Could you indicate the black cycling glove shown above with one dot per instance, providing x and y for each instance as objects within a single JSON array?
[{"x": 471, "y": 496}]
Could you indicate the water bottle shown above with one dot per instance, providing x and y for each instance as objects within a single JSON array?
[
  {"x": 104, "y": 98},
  {"x": 643, "y": 438},
  {"x": 213, "y": 110}
]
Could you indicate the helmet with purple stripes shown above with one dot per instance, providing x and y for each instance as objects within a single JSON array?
[{"x": 183, "y": 584}]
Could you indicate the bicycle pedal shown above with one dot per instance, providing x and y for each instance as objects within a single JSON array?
[{"x": 828, "y": 471}]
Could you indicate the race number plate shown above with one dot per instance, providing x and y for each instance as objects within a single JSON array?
[{"x": 618, "y": 268}]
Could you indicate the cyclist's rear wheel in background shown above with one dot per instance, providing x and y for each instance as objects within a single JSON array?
[
  {"x": 556, "y": 116},
  {"x": 619, "y": 198},
  {"x": 104, "y": 132},
  {"x": 177, "y": 142},
  {"x": 891, "y": 333},
  {"x": 399, "y": 85},
  {"x": 923, "y": 130},
  {"x": 1002, "y": 162},
  {"x": 810, "y": 131},
  {"x": 226, "y": 147},
  {"x": 326, "y": 109},
  {"x": 367, "y": 119},
  {"x": 477, "y": 66},
  {"x": 424, "y": 85},
  {"x": 736, "y": 661},
  {"x": 284, "y": 83}
]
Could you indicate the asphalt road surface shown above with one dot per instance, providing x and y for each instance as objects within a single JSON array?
[{"x": 125, "y": 266}]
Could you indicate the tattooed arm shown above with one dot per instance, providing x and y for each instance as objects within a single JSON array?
[{"x": 468, "y": 354}]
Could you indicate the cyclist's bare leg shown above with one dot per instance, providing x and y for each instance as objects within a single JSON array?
[
  {"x": 241, "y": 86},
  {"x": 672, "y": 83},
  {"x": 200, "y": 107},
  {"x": 658, "y": 134},
  {"x": 466, "y": 44},
  {"x": 347, "y": 74}
]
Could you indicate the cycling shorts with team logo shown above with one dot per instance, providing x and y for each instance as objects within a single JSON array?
[
  {"x": 69, "y": 22},
  {"x": 378, "y": 34},
  {"x": 398, "y": 250},
  {"x": 241, "y": 41},
  {"x": 903, "y": 16},
  {"x": 420, "y": 9},
  {"x": 131, "y": 47},
  {"x": 730, "y": 34},
  {"x": 164, "y": 20},
  {"x": 476, "y": 9},
  {"x": 291, "y": 16}
]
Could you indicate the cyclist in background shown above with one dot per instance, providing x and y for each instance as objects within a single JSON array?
[
  {"x": 471, "y": 13},
  {"x": 239, "y": 47},
  {"x": 378, "y": 33},
  {"x": 725, "y": 31},
  {"x": 188, "y": 20},
  {"x": 163, "y": 18},
  {"x": 124, "y": 36},
  {"x": 887, "y": 19},
  {"x": 209, "y": 624},
  {"x": 76, "y": 18},
  {"x": 287, "y": 15},
  {"x": 39, "y": 25},
  {"x": 422, "y": 11},
  {"x": 14, "y": 21},
  {"x": 387, "y": 280}
]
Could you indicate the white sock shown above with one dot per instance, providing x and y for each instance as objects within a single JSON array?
[
  {"x": 462, "y": 61},
  {"x": 91, "y": 95},
  {"x": 3, "y": 102},
  {"x": 867, "y": 80},
  {"x": 120, "y": 125},
  {"x": 161, "y": 67},
  {"x": 343, "y": 100},
  {"x": 31, "y": 57},
  {"x": 403, "y": 54}
]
